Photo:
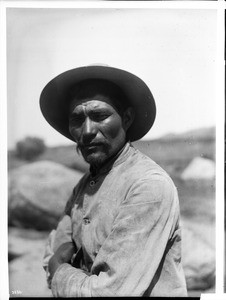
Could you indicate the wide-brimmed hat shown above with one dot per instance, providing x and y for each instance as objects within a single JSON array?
[{"x": 54, "y": 100}]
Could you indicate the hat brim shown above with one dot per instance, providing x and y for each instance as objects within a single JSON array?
[{"x": 54, "y": 102}]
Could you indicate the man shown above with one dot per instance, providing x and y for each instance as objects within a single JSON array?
[{"x": 120, "y": 233}]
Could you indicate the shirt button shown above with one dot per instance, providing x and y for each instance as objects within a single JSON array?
[
  {"x": 86, "y": 221},
  {"x": 92, "y": 183}
]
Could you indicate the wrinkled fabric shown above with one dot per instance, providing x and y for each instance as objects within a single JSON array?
[{"x": 125, "y": 223}]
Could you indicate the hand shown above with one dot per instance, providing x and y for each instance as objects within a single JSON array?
[{"x": 63, "y": 255}]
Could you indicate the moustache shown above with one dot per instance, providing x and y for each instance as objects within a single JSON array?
[{"x": 82, "y": 146}]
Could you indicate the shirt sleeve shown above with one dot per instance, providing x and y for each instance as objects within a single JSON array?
[
  {"x": 60, "y": 235},
  {"x": 128, "y": 260},
  {"x": 57, "y": 237}
]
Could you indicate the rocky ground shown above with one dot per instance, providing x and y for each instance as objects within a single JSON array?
[{"x": 27, "y": 277}]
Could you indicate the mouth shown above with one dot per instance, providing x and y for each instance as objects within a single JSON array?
[{"x": 91, "y": 146}]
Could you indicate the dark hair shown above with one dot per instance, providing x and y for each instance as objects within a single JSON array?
[{"x": 91, "y": 88}]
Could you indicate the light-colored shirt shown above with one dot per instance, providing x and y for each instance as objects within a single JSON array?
[{"x": 125, "y": 223}]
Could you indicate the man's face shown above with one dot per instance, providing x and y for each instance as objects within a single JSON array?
[{"x": 97, "y": 128}]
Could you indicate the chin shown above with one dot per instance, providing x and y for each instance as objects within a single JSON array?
[{"x": 96, "y": 159}]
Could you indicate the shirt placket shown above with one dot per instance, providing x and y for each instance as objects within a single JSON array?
[
  {"x": 88, "y": 242},
  {"x": 91, "y": 185}
]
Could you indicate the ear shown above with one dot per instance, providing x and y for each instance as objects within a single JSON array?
[{"x": 128, "y": 117}]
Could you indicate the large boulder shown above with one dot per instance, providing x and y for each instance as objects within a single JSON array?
[
  {"x": 38, "y": 193},
  {"x": 199, "y": 168},
  {"x": 198, "y": 255}
]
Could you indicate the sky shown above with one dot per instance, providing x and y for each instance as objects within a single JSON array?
[{"x": 172, "y": 50}]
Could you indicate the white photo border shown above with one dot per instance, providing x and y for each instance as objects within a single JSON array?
[{"x": 220, "y": 118}]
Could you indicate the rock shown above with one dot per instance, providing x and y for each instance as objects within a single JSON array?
[
  {"x": 38, "y": 193},
  {"x": 23, "y": 241},
  {"x": 198, "y": 255},
  {"x": 199, "y": 168},
  {"x": 27, "y": 277}
]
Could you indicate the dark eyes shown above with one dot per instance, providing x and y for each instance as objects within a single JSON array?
[
  {"x": 96, "y": 117},
  {"x": 76, "y": 120}
]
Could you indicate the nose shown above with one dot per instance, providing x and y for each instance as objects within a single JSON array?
[{"x": 89, "y": 131}]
